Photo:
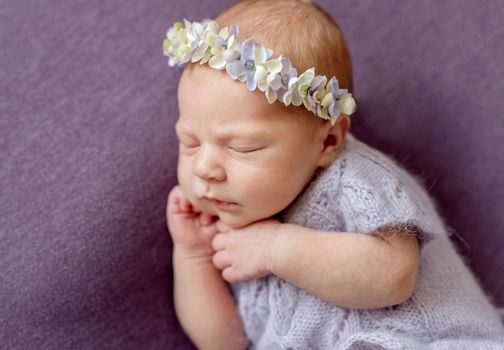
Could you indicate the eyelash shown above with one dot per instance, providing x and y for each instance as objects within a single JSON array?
[
  {"x": 188, "y": 147},
  {"x": 243, "y": 152}
]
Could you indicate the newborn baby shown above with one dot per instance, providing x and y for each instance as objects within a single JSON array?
[{"x": 325, "y": 242}]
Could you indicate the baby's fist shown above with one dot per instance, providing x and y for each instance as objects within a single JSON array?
[{"x": 190, "y": 229}]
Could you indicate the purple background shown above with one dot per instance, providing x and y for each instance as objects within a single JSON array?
[{"x": 88, "y": 153}]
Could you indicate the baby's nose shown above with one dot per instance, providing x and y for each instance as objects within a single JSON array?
[{"x": 207, "y": 165}]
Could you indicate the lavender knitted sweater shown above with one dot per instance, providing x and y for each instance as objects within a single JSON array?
[{"x": 361, "y": 191}]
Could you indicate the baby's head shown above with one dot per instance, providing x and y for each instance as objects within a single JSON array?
[{"x": 242, "y": 158}]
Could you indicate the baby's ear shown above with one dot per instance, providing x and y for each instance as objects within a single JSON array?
[{"x": 334, "y": 138}]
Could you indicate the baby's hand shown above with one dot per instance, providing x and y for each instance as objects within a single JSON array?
[
  {"x": 242, "y": 254},
  {"x": 190, "y": 229}
]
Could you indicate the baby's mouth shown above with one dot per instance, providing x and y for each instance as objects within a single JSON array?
[
  {"x": 200, "y": 190},
  {"x": 224, "y": 205}
]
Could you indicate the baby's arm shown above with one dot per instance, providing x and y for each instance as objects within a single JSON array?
[
  {"x": 204, "y": 304},
  {"x": 347, "y": 269}
]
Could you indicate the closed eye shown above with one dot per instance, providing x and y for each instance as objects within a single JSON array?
[
  {"x": 244, "y": 150},
  {"x": 188, "y": 146}
]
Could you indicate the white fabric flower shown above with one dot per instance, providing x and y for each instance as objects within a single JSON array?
[
  {"x": 335, "y": 101},
  {"x": 224, "y": 48},
  {"x": 298, "y": 88},
  {"x": 263, "y": 70},
  {"x": 347, "y": 104},
  {"x": 206, "y": 35},
  {"x": 180, "y": 43}
]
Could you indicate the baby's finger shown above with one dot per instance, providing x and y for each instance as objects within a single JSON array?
[
  {"x": 221, "y": 260},
  {"x": 222, "y": 227},
  {"x": 173, "y": 205},
  {"x": 185, "y": 205},
  {"x": 208, "y": 233},
  {"x": 207, "y": 219}
]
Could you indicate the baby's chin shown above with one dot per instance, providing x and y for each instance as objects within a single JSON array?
[{"x": 236, "y": 220}]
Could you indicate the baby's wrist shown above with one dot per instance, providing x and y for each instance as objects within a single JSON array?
[
  {"x": 288, "y": 237},
  {"x": 277, "y": 246},
  {"x": 199, "y": 254}
]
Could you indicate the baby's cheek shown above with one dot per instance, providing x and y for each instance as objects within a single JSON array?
[
  {"x": 263, "y": 196},
  {"x": 184, "y": 168},
  {"x": 184, "y": 180}
]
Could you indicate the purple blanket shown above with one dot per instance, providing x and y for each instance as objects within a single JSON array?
[{"x": 88, "y": 151}]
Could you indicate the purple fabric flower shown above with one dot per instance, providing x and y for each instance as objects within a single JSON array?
[
  {"x": 279, "y": 82},
  {"x": 252, "y": 53},
  {"x": 333, "y": 87},
  {"x": 315, "y": 93}
]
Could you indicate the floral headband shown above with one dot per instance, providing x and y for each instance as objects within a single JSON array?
[{"x": 249, "y": 61}]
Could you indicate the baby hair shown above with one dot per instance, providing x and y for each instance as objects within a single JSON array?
[{"x": 298, "y": 29}]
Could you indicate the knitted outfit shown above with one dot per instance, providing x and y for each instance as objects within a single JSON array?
[{"x": 361, "y": 191}]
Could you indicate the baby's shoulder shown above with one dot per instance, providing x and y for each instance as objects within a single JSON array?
[
  {"x": 361, "y": 165},
  {"x": 361, "y": 160},
  {"x": 365, "y": 189}
]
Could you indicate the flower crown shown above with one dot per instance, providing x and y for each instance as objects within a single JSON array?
[{"x": 249, "y": 61}]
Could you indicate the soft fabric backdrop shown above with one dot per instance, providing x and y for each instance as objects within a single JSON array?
[{"x": 88, "y": 153}]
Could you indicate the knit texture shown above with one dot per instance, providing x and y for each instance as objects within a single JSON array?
[{"x": 362, "y": 191}]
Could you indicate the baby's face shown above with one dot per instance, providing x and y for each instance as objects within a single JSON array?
[{"x": 240, "y": 158}]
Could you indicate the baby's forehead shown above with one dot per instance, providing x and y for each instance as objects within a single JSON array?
[
  {"x": 204, "y": 91},
  {"x": 225, "y": 127},
  {"x": 242, "y": 131},
  {"x": 209, "y": 99}
]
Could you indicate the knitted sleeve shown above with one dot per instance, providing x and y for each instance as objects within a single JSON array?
[{"x": 376, "y": 193}]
